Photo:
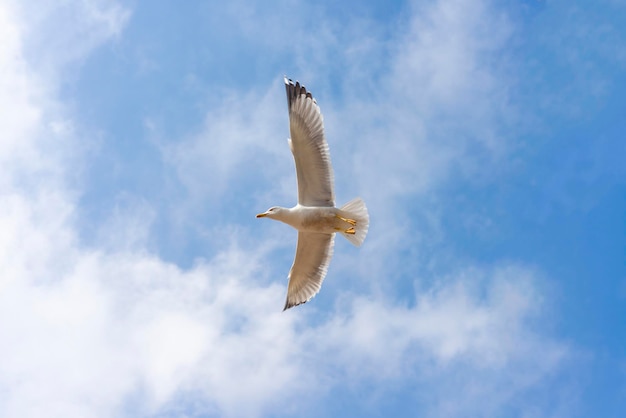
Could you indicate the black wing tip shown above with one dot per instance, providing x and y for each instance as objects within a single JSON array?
[
  {"x": 294, "y": 90},
  {"x": 289, "y": 305}
]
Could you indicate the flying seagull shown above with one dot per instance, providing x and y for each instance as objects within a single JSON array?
[{"x": 315, "y": 216}]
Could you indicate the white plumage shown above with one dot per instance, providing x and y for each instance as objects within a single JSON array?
[{"x": 315, "y": 216}]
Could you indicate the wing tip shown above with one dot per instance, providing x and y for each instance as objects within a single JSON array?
[
  {"x": 295, "y": 90},
  {"x": 289, "y": 304}
]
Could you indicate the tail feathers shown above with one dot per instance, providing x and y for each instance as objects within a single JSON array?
[{"x": 356, "y": 209}]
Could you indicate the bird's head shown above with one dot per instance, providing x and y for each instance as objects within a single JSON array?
[{"x": 272, "y": 213}]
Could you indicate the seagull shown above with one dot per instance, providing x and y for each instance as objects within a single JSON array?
[{"x": 315, "y": 216}]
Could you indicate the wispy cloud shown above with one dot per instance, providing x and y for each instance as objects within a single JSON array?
[
  {"x": 57, "y": 35},
  {"x": 131, "y": 327}
]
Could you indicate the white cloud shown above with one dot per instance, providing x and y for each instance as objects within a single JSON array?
[
  {"x": 243, "y": 133},
  {"x": 442, "y": 108},
  {"x": 121, "y": 326},
  {"x": 58, "y": 34}
]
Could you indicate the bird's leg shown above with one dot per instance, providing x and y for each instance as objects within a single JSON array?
[
  {"x": 350, "y": 230},
  {"x": 350, "y": 221}
]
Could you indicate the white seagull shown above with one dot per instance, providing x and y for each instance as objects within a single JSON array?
[{"x": 315, "y": 216}]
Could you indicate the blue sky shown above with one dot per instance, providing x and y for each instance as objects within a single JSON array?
[{"x": 139, "y": 139}]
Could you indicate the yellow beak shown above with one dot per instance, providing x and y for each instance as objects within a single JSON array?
[{"x": 261, "y": 215}]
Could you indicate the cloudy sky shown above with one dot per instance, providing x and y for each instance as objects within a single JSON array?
[{"x": 138, "y": 139}]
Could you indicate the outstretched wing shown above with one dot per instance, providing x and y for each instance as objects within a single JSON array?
[
  {"x": 309, "y": 148},
  {"x": 313, "y": 255}
]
